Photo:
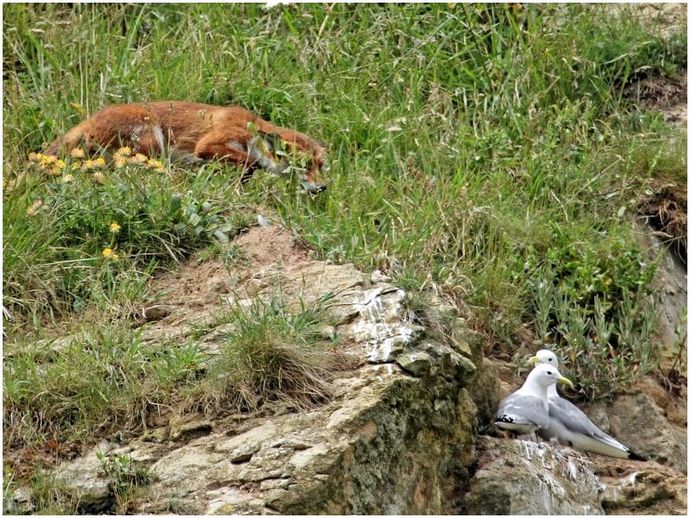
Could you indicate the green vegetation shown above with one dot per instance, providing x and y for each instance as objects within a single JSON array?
[
  {"x": 106, "y": 378},
  {"x": 49, "y": 495},
  {"x": 62, "y": 233},
  {"x": 494, "y": 150},
  {"x": 270, "y": 354},
  {"x": 125, "y": 477},
  {"x": 102, "y": 378}
]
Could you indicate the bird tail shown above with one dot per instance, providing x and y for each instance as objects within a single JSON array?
[{"x": 634, "y": 456}]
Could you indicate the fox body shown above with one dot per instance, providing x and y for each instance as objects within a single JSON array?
[{"x": 197, "y": 132}]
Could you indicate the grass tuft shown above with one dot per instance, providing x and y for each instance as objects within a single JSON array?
[{"x": 271, "y": 354}]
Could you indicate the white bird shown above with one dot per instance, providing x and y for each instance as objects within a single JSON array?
[
  {"x": 526, "y": 410},
  {"x": 570, "y": 425}
]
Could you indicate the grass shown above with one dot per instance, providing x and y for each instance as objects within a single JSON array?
[
  {"x": 126, "y": 479},
  {"x": 101, "y": 379},
  {"x": 492, "y": 150},
  {"x": 106, "y": 378},
  {"x": 271, "y": 354}
]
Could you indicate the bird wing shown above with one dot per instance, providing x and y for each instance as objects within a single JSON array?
[
  {"x": 520, "y": 409},
  {"x": 576, "y": 421}
]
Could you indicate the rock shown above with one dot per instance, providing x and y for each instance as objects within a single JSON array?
[
  {"x": 378, "y": 276},
  {"x": 383, "y": 449},
  {"x": 485, "y": 392},
  {"x": 85, "y": 474},
  {"x": 185, "y": 428},
  {"x": 156, "y": 312},
  {"x": 638, "y": 422},
  {"x": 447, "y": 362},
  {"x": 387, "y": 443},
  {"x": 418, "y": 364},
  {"x": 19, "y": 502},
  {"x": 522, "y": 477},
  {"x": 644, "y": 489},
  {"x": 376, "y": 319},
  {"x": 669, "y": 284}
]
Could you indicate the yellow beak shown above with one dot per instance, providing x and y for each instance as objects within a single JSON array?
[
  {"x": 533, "y": 360},
  {"x": 565, "y": 381}
]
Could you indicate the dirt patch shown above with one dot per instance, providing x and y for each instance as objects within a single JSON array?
[
  {"x": 194, "y": 282},
  {"x": 665, "y": 19},
  {"x": 199, "y": 283},
  {"x": 268, "y": 245},
  {"x": 662, "y": 94},
  {"x": 666, "y": 212}
]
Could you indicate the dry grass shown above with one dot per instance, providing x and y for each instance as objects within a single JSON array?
[{"x": 271, "y": 355}]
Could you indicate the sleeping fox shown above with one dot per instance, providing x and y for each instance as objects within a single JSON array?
[{"x": 198, "y": 132}]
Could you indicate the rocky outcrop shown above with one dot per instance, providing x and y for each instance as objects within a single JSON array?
[
  {"x": 524, "y": 477},
  {"x": 650, "y": 491},
  {"x": 398, "y": 430},
  {"x": 640, "y": 423},
  {"x": 399, "y": 434},
  {"x": 641, "y": 488}
]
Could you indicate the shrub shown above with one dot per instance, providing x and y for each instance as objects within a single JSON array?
[{"x": 592, "y": 303}]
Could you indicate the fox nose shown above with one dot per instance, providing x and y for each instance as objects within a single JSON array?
[{"x": 313, "y": 188}]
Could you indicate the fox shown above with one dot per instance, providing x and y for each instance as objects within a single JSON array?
[{"x": 197, "y": 132}]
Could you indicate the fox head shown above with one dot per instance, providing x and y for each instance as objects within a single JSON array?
[{"x": 281, "y": 157}]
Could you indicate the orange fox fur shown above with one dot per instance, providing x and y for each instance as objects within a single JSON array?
[{"x": 197, "y": 131}]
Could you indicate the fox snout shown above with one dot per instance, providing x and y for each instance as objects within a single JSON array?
[
  {"x": 272, "y": 153},
  {"x": 313, "y": 181}
]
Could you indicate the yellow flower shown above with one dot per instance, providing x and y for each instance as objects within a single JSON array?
[
  {"x": 77, "y": 153},
  {"x": 55, "y": 168},
  {"x": 154, "y": 164},
  {"x": 45, "y": 161},
  {"x": 123, "y": 151},
  {"x": 99, "y": 177},
  {"x": 99, "y": 162},
  {"x": 120, "y": 162},
  {"x": 33, "y": 157},
  {"x": 35, "y": 207},
  {"x": 109, "y": 254},
  {"x": 68, "y": 178},
  {"x": 87, "y": 164},
  {"x": 139, "y": 158},
  {"x": 114, "y": 227}
]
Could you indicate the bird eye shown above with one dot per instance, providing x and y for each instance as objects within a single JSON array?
[{"x": 548, "y": 372}]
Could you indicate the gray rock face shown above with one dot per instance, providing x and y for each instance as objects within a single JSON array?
[
  {"x": 521, "y": 477},
  {"x": 649, "y": 490},
  {"x": 384, "y": 448},
  {"x": 398, "y": 430},
  {"x": 637, "y": 421}
]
